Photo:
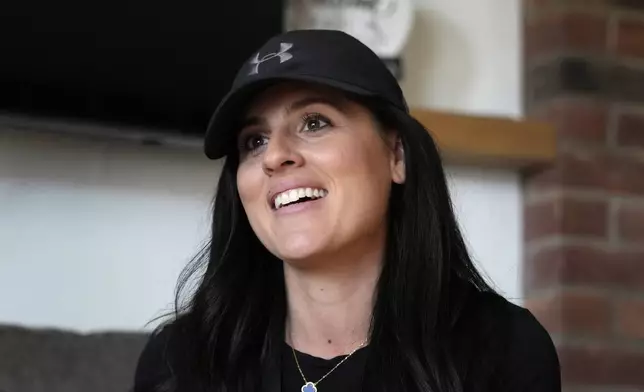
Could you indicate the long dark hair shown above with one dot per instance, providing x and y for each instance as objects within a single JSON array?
[{"x": 234, "y": 318}]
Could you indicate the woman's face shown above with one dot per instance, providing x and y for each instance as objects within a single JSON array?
[{"x": 315, "y": 173}]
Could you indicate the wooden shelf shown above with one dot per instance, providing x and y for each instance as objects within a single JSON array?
[{"x": 489, "y": 141}]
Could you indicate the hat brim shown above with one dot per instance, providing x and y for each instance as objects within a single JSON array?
[{"x": 221, "y": 132}]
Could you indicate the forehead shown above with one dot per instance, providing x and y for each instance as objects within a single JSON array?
[{"x": 282, "y": 95}]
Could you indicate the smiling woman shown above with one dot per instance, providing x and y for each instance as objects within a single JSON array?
[
  {"x": 306, "y": 138},
  {"x": 336, "y": 263}
]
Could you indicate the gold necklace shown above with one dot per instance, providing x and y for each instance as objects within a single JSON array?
[{"x": 310, "y": 386}]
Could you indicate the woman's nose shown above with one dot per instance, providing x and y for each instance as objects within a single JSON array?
[{"x": 280, "y": 154}]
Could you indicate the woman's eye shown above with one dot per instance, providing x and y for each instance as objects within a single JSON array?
[
  {"x": 315, "y": 122},
  {"x": 253, "y": 142}
]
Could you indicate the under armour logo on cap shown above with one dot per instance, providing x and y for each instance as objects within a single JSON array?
[{"x": 283, "y": 55}]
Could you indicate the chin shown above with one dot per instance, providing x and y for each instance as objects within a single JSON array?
[{"x": 298, "y": 248}]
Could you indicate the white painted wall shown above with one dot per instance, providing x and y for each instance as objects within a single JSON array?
[
  {"x": 488, "y": 205},
  {"x": 93, "y": 233},
  {"x": 465, "y": 56}
]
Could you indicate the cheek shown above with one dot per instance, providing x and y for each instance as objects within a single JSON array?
[
  {"x": 362, "y": 162},
  {"x": 360, "y": 171},
  {"x": 249, "y": 186}
]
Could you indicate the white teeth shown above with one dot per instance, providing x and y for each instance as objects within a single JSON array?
[
  {"x": 293, "y": 195},
  {"x": 278, "y": 201}
]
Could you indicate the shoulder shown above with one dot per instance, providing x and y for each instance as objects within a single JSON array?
[
  {"x": 523, "y": 353},
  {"x": 155, "y": 365},
  {"x": 516, "y": 320}
]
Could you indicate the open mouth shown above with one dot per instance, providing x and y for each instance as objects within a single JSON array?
[{"x": 298, "y": 195}]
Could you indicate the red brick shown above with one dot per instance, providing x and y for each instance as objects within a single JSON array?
[
  {"x": 578, "y": 172},
  {"x": 630, "y": 318},
  {"x": 537, "y": 4},
  {"x": 584, "y": 265},
  {"x": 625, "y": 175},
  {"x": 601, "y": 366},
  {"x": 577, "y": 120},
  {"x": 630, "y": 222},
  {"x": 569, "y": 31},
  {"x": 586, "y": 4},
  {"x": 573, "y": 313},
  {"x": 627, "y": 5},
  {"x": 630, "y": 38},
  {"x": 630, "y": 132},
  {"x": 592, "y": 171},
  {"x": 566, "y": 216}
]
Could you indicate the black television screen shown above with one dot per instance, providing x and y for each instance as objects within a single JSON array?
[{"x": 143, "y": 63}]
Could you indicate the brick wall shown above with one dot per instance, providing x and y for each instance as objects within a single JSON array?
[{"x": 584, "y": 215}]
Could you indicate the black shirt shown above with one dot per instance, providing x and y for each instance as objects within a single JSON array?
[
  {"x": 346, "y": 377},
  {"x": 512, "y": 353}
]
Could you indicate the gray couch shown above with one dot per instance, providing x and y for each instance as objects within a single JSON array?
[{"x": 46, "y": 360}]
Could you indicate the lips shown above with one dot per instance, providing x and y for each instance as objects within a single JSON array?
[{"x": 297, "y": 195}]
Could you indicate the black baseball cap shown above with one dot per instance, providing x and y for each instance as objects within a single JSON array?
[{"x": 326, "y": 57}]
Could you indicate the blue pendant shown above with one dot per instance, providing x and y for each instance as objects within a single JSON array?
[{"x": 309, "y": 387}]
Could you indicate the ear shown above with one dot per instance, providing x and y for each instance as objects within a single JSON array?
[{"x": 397, "y": 163}]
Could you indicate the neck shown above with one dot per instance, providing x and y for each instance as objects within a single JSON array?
[{"x": 329, "y": 309}]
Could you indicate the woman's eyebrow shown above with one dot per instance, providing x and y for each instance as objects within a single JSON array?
[
  {"x": 251, "y": 121},
  {"x": 304, "y": 102},
  {"x": 337, "y": 103}
]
